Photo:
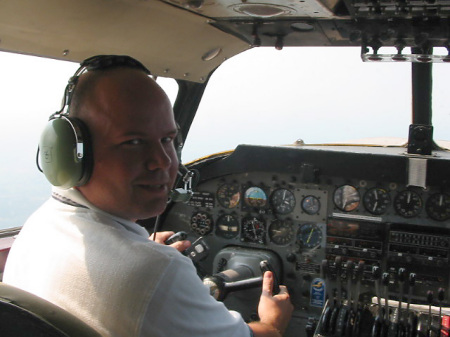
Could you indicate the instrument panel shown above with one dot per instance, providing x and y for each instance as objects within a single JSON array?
[
  {"x": 264, "y": 215},
  {"x": 317, "y": 208}
]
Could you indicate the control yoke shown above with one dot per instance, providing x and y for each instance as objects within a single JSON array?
[{"x": 244, "y": 269}]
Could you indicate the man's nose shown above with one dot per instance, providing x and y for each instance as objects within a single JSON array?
[{"x": 159, "y": 157}]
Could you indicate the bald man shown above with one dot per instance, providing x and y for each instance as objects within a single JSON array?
[{"x": 83, "y": 250}]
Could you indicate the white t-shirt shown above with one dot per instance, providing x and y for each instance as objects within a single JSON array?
[{"x": 107, "y": 272}]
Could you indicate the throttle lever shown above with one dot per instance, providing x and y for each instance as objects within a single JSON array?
[
  {"x": 179, "y": 236},
  {"x": 265, "y": 266},
  {"x": 410, "y": 316}
]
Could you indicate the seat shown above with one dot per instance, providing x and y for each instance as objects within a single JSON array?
[{"x": 25, "y": 314}]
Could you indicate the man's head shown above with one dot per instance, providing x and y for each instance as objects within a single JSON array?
[{"x": 132, "y": 128}]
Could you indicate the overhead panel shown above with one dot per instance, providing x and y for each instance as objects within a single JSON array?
[{"x": 219, "y": 9}]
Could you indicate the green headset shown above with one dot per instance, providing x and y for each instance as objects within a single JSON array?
[{"x": 65, "y": 153}]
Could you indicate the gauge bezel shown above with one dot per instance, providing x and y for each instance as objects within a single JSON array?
[
  {"x": 434, "y": 213},
  {"x": 259, "y": 232},
  {"x": 311, "y": 208},
  {"x": 255, "y": 203},
  {"x": 317, "y": 238},
  {"x": 378, "y": 208},
  {"x": 416, "y": 204},
  {"x": 278, "y": 202},
  {"x": 286, "y": 237},
  {"x": 351, "y": 192},
  {"x": 227, "y": 234},
  {"x": 229, "y": 195}
]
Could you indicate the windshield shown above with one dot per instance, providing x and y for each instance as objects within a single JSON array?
[
  {"x": 317, "y": 95},
  {"x": 262, "y": 96}
]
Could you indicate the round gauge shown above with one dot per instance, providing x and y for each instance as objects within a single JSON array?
[
  {"x": 229, "y": 195},
  {"x": 283, "y": 201},
  {"x": 376, "y": 200},
  {"x": 438, "y": 206},
  {"x": 408, "y": 203},
  {"x": 311, "y": 205},
  {"x": 281, "y": 232},
  {"x": 253, "y": 230},
  {"x": 201, "y": 223},
  {"x": 309, "y": 236},
  {"x": 227, "y": 226},
  {"x": 346, "y": 198},
  {"x": 255, "y": 197}
]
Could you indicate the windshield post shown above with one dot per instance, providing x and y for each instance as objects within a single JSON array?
[{"x": 421, "y": 130}]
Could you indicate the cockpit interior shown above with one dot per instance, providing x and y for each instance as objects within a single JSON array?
[{"x": 359, "y": 233}]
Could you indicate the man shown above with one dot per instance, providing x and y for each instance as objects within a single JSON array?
[{"x": 83, "y": 250}]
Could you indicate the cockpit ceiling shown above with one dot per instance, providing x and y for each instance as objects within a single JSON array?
[
  {"x": 188, "y": 39},
  {"x": 170, "y": 41}
]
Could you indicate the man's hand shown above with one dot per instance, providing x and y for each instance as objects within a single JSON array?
[
  {"x": 161, "y": 237},
  {"x": 274, "y": 311}
]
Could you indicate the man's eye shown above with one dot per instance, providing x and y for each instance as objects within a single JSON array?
[
  {"x": 134, "y": 142},
  {"x": 166, "y": 140}
]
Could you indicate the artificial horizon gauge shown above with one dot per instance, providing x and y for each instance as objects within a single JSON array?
[
  {"x": 227, "y": 226},
  {"x": 253, "y": 230},
  {"x": 255, "y": 197},
  {"x": 438, "y": 206},
  {"x": 376, "y": 200},
  {"x": 201, "y": 223},
  {"x": 281, "y": 232},
  {"x": 229, "y": 195},
  {"x": 309, "y": 236},
  {"x": 346, "y": 198},
  {"x": 283, "y": 201},
  {"x": 311, "y": 205},
  {"x": 408, "y": 203}
]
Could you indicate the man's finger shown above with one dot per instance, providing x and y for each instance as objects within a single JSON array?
[
  {"x": 283, "y": 290},
  {"x": 181, "y": 245},
  {"x": 161, "y": 236},
  {"x": 267, "y": 285}
]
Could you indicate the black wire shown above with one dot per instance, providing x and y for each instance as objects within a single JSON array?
[
  {"x": 156, "y": 227},
  {"x": 37, "y": 160}
]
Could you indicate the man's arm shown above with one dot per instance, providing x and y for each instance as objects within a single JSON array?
[{"x": 274, "y": 310}]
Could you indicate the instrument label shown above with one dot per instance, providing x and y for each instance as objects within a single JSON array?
[{"x": 317, "y": 298}]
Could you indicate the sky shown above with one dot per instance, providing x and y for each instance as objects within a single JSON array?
[{"x": 316, "y": 94}]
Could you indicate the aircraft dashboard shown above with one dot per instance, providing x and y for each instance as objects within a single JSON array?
[{"x": 332, "y": 221}]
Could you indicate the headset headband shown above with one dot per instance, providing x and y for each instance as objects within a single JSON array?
[{"x": 98, "y": 62}]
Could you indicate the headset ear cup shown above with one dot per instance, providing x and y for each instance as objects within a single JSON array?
[{"x": 65, "y": 152}]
